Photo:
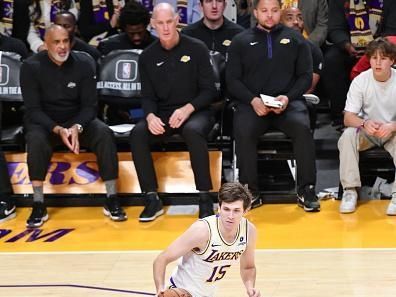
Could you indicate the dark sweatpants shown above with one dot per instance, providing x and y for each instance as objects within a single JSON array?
[
  {"x": 294, "y": 122},
  {"x": 5, "y": 185},
  {"x": 194, "y": 131}
]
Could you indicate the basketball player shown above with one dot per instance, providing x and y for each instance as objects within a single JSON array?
[{"x": 210, "y": 246}]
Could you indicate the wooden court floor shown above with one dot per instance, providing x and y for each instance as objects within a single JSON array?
[{"x": 78, "y": 252}]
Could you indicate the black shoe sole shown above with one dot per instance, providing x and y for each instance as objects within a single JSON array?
[
  {"x": 307, "y": 209},
  {"x": 39, "y": 224},
  {"x": 9, "y": 217},
  {"x": 157, "y": 214}
]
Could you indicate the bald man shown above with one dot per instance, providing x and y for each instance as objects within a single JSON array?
[
  {"x": 178, "y": 87},
  {"x": 59, "y": 92}
]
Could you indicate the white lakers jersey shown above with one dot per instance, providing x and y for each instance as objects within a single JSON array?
[{"x": 199, "y": 271}]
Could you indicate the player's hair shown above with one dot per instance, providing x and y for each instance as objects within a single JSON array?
[
  {"x": 230, "y": 192},
  {"x": 67, "y": 12},
  {"x": 256, "y": 2},
  {"x": 133, "y": 14},
  {"x": 383, "y": 46}
]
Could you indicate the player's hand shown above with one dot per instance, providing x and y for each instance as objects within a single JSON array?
[
  {"x": 385, "y": 130},
  {"x": 155, "y": 124},
  {"x": 180, "y": 115},
  {"x": 253, "y": 292},
  {"x": 75, "y": 143},
  {"x": 259, "y": 107},
  {"x": 64, "y": 134},
  {"x": 285, "y": 101},
  {"x": 350, "y": 49},
  {"x": 160, "y": 293},
  {"x": 116, "y": 16}
]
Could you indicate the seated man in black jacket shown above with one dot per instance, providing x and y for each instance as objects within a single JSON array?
[
  {"x": 215, "y": 30},
  {"x": 7, "y": 204},
  {"x": 178, "y": 86},
  {"x": 134, "y": 19},
  {"x": 59, "y": 91},
  {"x": 272, "y": 60}
]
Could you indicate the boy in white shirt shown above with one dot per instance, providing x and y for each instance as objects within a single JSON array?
[{"x": 370, "y": 118}]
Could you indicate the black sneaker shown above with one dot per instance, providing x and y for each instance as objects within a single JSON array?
[
  {"x": 205, "y": 205},
  {"x": 38, "y": 216},
  {"x": 7, "y": 211},
  {"x": 152, "y": 209},
  {"x": 257, "y": 201},
  {"x": 308, "y": 200},
  {"x": 113, "y": 209}
]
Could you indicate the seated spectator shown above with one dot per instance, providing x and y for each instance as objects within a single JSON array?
[
  {"x": 314, "y": 14},
  {"x": 178, "y": 87},
  {"x": 370, "y": 118},
  {"x": 42, "y": 14},
  {"x": 134, "y": 19},
  {"x": 364, "y": 62},
  {"x": 352, "y": 25},
  {"x": 98, "y": 19},
  {"x": 292, "y": 18},
  {"x": 7, "y": 204},
  {"x": 68, "y": 21},
  {"x": 273, "y": 60},
  {"x": 215, "y": 30},
  {"x": 59, "y": 91}
]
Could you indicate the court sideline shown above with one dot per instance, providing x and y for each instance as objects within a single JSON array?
[{"x": 79, "y": 252}]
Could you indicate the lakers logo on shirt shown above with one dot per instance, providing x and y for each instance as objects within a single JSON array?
[
  {"x": 285, "y": 41},
  {"x": 185, "y": 59},
  {"x": 227, "y": 42}
]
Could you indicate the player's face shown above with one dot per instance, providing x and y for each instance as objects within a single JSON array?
[
  {"x": 231, "y": 213},
  {"x": 213, "y": 9},
  {"x": 381, "y": 65},
  {"x": 165, "y": 23},
  {"x": 267, "y": 13},
  {"x": 292, "y": 18},
  {"x": 58, "y": 45},
  {"x": 136, "y": 33}
]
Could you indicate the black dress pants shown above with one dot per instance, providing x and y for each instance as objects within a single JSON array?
[
  {"x": 294, "y": 122},
  {"x": 96, "y": 136},
  {"x": 194, "y": 131},
  {"x": 5, "y": 184}
]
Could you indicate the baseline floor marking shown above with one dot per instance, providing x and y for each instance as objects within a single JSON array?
[
  {"x": 280, "y": 250},
  {"x": 80, "y": 287}
]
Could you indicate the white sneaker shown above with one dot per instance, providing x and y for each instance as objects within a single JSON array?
[
  {"x": 348, "y": 202},
  {"x": 391, "y": 211}
]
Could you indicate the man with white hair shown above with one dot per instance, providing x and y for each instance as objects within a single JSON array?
[{"x": 178, "y": 87}]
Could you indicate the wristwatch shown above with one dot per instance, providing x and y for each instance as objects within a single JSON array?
[{"x": 80, "y": 128}]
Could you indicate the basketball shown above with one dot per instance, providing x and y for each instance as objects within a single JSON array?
[{"x": 176, "y": 292}]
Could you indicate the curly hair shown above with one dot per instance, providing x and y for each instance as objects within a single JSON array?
[{"x": 134, "y": 13}]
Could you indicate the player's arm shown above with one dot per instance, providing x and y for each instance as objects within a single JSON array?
[
  {"x": 196, "y": 236},
  {"x": 247, "y": 266}
]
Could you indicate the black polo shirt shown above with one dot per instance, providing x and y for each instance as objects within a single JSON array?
[{"x": 58, "y": 95}]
